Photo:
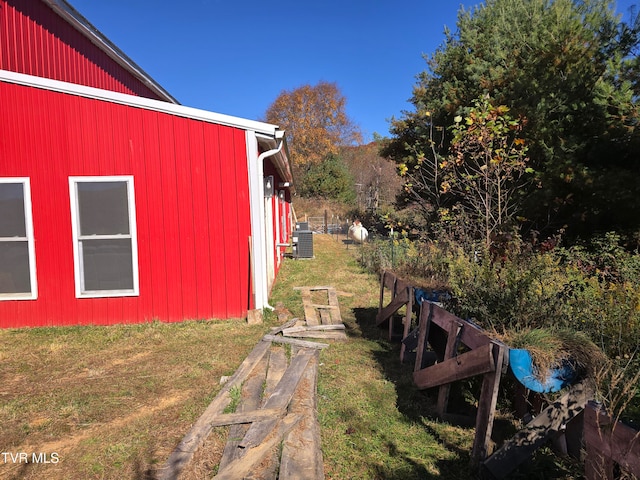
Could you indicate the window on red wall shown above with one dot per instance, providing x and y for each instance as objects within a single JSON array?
[
  {"x": 104, "y": 236},
  {"x": 17, "y": 254}
]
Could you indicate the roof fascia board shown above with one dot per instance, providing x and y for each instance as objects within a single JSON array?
[
  {"x": 80, "y": 23},
  {"x": 139, "y": 102}
]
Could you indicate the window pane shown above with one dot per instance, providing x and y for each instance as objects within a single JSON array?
[
  {"x": 103, "y": 208},
  {"x": 12, "y": 223},
  {"x": 14, "y": 267},
  {"x": 107, "y": 264}
]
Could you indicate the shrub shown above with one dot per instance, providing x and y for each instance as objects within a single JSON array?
[{"x": 593, "y": 290}]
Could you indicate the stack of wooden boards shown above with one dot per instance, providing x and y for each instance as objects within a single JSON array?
[
  {"x": 274, "y": 432},
  {"x": 321, "y": 315}
]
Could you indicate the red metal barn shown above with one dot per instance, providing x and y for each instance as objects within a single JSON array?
[
  {"x": 117, "y": 208},
  {"x": 50, "y": 39}
]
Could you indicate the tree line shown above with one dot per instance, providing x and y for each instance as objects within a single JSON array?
[{"x": 524, "y": 120}]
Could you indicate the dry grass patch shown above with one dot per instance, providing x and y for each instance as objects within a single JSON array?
[{"x": 110, "y": 402}]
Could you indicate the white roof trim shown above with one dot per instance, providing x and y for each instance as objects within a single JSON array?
[
  {"x": 139, "y": 102},
  {"x": 81, "y": 24}
]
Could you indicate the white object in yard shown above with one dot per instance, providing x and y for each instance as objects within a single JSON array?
[{"x": 357, "y": 232}]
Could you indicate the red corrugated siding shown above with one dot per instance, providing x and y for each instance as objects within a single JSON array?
[
  {"x": 34, "y": 40},
  {"x": 192, "y": 206}
]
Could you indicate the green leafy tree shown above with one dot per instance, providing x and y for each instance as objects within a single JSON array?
[
  {"x": 486, "y": 167},
  {"x": 329, "y": 179},
  {"x": 568, "y": 69}
]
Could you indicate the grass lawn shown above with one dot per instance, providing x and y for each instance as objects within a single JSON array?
[{"x": 112, "y": 402}]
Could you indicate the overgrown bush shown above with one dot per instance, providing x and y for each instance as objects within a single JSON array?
[{"x": 592, "y": 289}]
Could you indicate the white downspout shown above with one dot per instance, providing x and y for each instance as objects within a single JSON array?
[{"x": 259, "y": 240}]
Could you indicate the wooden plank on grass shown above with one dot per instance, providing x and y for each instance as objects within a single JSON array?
[
  {"x": 249, "y": 401},
  {"x": 301, "y": 451},
  {"x": 284, "y": 326},
  {"x": 320, "y": 334},
  {"x": 293, "y": 341},
  {"x": 335, "y": 310},
  {"x": 325, "y": 316},
  {"x": 310, "y": 315},
  {"x": 244, "y": 417},
  {"x": 537, "y": 432},
  {"x": 279, "y": 399},
  {"x": 469, "y": 364},
  {"x": 242, "y": 467},
  {"x": 200, "y": 430},
  {"x": 278, "y": 364},
  {"x": 312, "y": 328}
]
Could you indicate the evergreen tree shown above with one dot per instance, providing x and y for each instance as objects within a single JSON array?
[{"x": 567, "y": 70}]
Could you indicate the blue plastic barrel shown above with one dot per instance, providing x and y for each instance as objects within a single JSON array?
[{"x": 522, "y": 367}]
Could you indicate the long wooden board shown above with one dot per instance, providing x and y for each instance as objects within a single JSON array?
[
  {"x": 243, "y": 466},
  {"x": 401, "y": 299},
  {"x": 609, "y": 442},
  {"x": 279, "y": 399},
  {"x": 293, "y": 341},
  {"x": 537, "y": 432},
  {"x": 487, "y": 405},
  {"x": 301, "y": 453},
  {"x": 469, "y": 364},
  {"x": 185, "y": 450}
]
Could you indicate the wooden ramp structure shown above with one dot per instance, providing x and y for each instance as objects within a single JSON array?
[
  {"x": 402, "y": 294},
  {"x": 322, "y": 317},
  {"x": 446, "y": 349},
  {"x": 274, "y": 432},
  {"x": 269, "y": 403}
]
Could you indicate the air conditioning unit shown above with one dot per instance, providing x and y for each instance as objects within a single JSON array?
[
  {"x": 302, "y": 226},
  {"x": 303, "y": 244}
]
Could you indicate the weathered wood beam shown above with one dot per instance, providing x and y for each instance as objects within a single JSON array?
[
  {"x": 279, "y": 399},
  {"x": 398, "y": 301},
  {"x": 200, "y": 430},
  {"x": 243, "y": 466},
  {"x": 245, "y": 417},
  {"x": 487, "y": 405},
  {"x": 323, "y": 328},
  {"x": 453, "y": 341},
  {"x": 301, "y": 450},
  {"x": 309, "y": 312},
  {"x": 406, "y": 325},
  {"x": 609, "y": 442},
  {"x": 320, "y": 334},
  {"x": 537, "y": 432},
  {"x": 469, "y": 364},
  {"x": 424, "y": 327},
  {"x": 249, "y": 401},
  {"x": 284, "y": 326},
  {"x": 472, "y": 336},
  {"x": 293, "y": 341}
]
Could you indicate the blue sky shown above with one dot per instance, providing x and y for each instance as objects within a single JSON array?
[{"x": 235, "y": 57}]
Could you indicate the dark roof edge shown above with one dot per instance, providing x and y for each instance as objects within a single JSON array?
[{"x": 80, "y": 23}]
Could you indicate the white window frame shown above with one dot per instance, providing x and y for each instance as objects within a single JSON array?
[
  {"x": 81, "y": 292},
  {"x": 26, "y": 191}
]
